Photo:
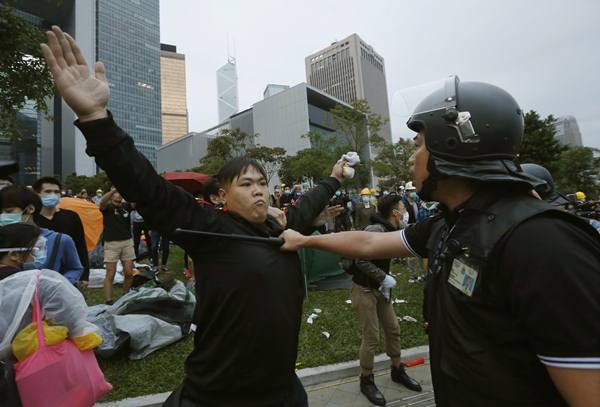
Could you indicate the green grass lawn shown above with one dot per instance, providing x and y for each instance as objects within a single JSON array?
[{"x": 163, "y": 370}]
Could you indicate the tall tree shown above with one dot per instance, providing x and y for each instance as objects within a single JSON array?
[
  {"x": 230, "y": 143},
  {"x": 313, "y": 162},
  {"x": 391, "y": 164},
  {"x": 269, "y": 157},
  {"x": 578, "y": 170},
  {"x": 358, "y": 124},
  {"x": 539, "y": 144},
  {"x": 23, "y": 73},
  {"x": 78, "y": 182}
]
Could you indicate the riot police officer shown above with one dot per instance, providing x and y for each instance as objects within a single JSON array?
[{"x": 513, "y": 318}]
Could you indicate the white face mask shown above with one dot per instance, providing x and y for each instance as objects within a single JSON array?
[{"x": 405, "y": 217}]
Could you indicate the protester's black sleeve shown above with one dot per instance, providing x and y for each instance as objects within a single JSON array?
[
  {"x": 552, "y": 270},
  {"x": 78, "y": 236},
  {"x": 301, "y": 215},
  {"x": 163, "y": 205}
]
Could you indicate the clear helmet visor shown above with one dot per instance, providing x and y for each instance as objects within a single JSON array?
[{"x": 433, "y": 104}]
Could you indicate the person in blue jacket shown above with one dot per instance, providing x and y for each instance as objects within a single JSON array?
[{"x": 18, "y": 205}]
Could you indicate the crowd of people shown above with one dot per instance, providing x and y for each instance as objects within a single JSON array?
[{"x": 511, "y": 271}]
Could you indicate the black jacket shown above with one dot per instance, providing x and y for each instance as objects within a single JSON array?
[
  {"x": 249, "y": 295},
  {"x": 370, "y": 273}
]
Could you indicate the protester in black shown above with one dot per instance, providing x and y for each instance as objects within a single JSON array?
[
  {"x": 249, "y": 295},
  {"x": 60, "y": 220},
  {"x": 118, "y": 241},
  {"x": 512, "y": 297}
]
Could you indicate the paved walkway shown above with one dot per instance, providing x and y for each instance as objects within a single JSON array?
[{"x": 346, "y": 392}]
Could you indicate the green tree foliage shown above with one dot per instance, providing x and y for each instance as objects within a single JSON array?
[
  {"x": 23, "y": 73},
  {"x": 78, "y": 182},
  {"x": 314, "y": 162},
  {"x": 269, "y": 157},
  {"x": 539, "y": 144},
  {"x": 578, "y": 170},
  {"x": 358, "y": 125},
  {"x": 230, "y": 143},
  {"x": 391, "y": 165}
]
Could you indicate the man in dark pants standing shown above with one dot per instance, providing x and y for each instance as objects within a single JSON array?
[
  {"x": 512, "y": 292},
  {"x": 249, "y": 295}
]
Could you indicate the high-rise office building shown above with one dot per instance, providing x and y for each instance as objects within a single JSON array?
[
  {"x": 350, "y": 69},
  {"x": 173, "y": 93},
  {"x": 128, "y": 42},
  {"x": 567, "y": 131},
  {"x": 227, "y": 90},
  {"x": 53, "y": 146}
]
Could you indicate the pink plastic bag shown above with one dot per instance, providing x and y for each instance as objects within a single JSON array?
[{"x": 59, "y": 375}]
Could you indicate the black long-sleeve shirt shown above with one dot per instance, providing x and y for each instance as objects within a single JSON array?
[
  {"x": 249, "y": 295},
  {"x": 69, "y": 223}
]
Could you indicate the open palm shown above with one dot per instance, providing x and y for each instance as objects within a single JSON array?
[{"x": 86, "y": 94}]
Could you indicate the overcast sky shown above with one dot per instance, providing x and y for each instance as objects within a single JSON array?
[{"x": 546, "y": 53}]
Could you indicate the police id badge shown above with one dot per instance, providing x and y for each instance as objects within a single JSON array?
[{"x": 463, "y": 277}]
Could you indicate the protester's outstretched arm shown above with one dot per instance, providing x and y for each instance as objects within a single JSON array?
[
  {"x": 302, "y": 215},
  {"x": 163, "y": 205},
  {"x": 356, "y": 245}
]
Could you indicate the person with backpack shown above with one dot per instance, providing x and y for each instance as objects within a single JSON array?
[{"x": 371, "y": 300}]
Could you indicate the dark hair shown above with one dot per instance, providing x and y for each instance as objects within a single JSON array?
[
  {"x": 37, "y": 186},
  {"x": 210, "y": 187},
  {"x": 17, "y": 196},
  {"x": 18, "y": 235},
  {"x": 387, "y": 204},
  {"x": 236, "y": 167}
]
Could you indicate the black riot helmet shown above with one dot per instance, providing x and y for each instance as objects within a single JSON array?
[
  {"x": 546, "y": 190},
  {"x": 472, "y": 130}
]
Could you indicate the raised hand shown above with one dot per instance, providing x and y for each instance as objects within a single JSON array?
[{"x": 87, "y": 95}]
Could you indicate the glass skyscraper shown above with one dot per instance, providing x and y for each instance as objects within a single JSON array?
[{"x": 128, "y": 43}]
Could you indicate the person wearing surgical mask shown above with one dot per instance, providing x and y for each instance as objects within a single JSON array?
[
  {"x": 57, "y": 250},
  {"x": 364, "y": 209},
  {"x": 60, "y": 220}
]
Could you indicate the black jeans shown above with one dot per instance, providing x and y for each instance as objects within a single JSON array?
[
  {"x": 296, "y": 398},
  {"x": 163, "y": 242}
]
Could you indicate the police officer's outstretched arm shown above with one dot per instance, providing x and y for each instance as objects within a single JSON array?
[
  {"x": 163, "y": 205},
  {"x": 361, "y": 245}
]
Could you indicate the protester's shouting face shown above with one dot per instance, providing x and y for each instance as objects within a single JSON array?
[{"x": 247, "y": 194}]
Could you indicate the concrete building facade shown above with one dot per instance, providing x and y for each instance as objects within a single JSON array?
[
  {"x": 173, "y": 93},
  {"x": 567, "y": 131},
  {"x": 227, "y": 90},
  {"x": 351, "y": 69},
  {"x": 280, "y": 120}
]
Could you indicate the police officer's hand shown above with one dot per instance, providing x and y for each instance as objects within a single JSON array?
[
  {"x": 292, "y": 240},
  {"x": 86, "y": 94}
]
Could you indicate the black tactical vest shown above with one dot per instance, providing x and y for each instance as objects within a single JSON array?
[{"x": 479, "y": 357}]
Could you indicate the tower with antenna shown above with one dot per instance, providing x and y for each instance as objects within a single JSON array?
[{"x": 227, "y": 87}]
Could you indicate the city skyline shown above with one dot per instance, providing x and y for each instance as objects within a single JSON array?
[{"x": 530, "y": 57}]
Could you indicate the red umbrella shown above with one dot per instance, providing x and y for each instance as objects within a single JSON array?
[{"x": 190, "y": 181}]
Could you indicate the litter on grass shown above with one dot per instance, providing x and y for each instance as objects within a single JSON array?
[
  {"x": 318, "y": 310},
  {"x": 408, "y": 318},
  {"x": 348, "y": 301},
  {"x": 311, "y": 318},
  {"x": 326, "y": 334},
  {"x": 397, "y": 301}
]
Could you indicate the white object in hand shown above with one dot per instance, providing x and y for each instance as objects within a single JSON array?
[
  {"x": 388, "y": 282},
  {"x": 351, "y": 159}
]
